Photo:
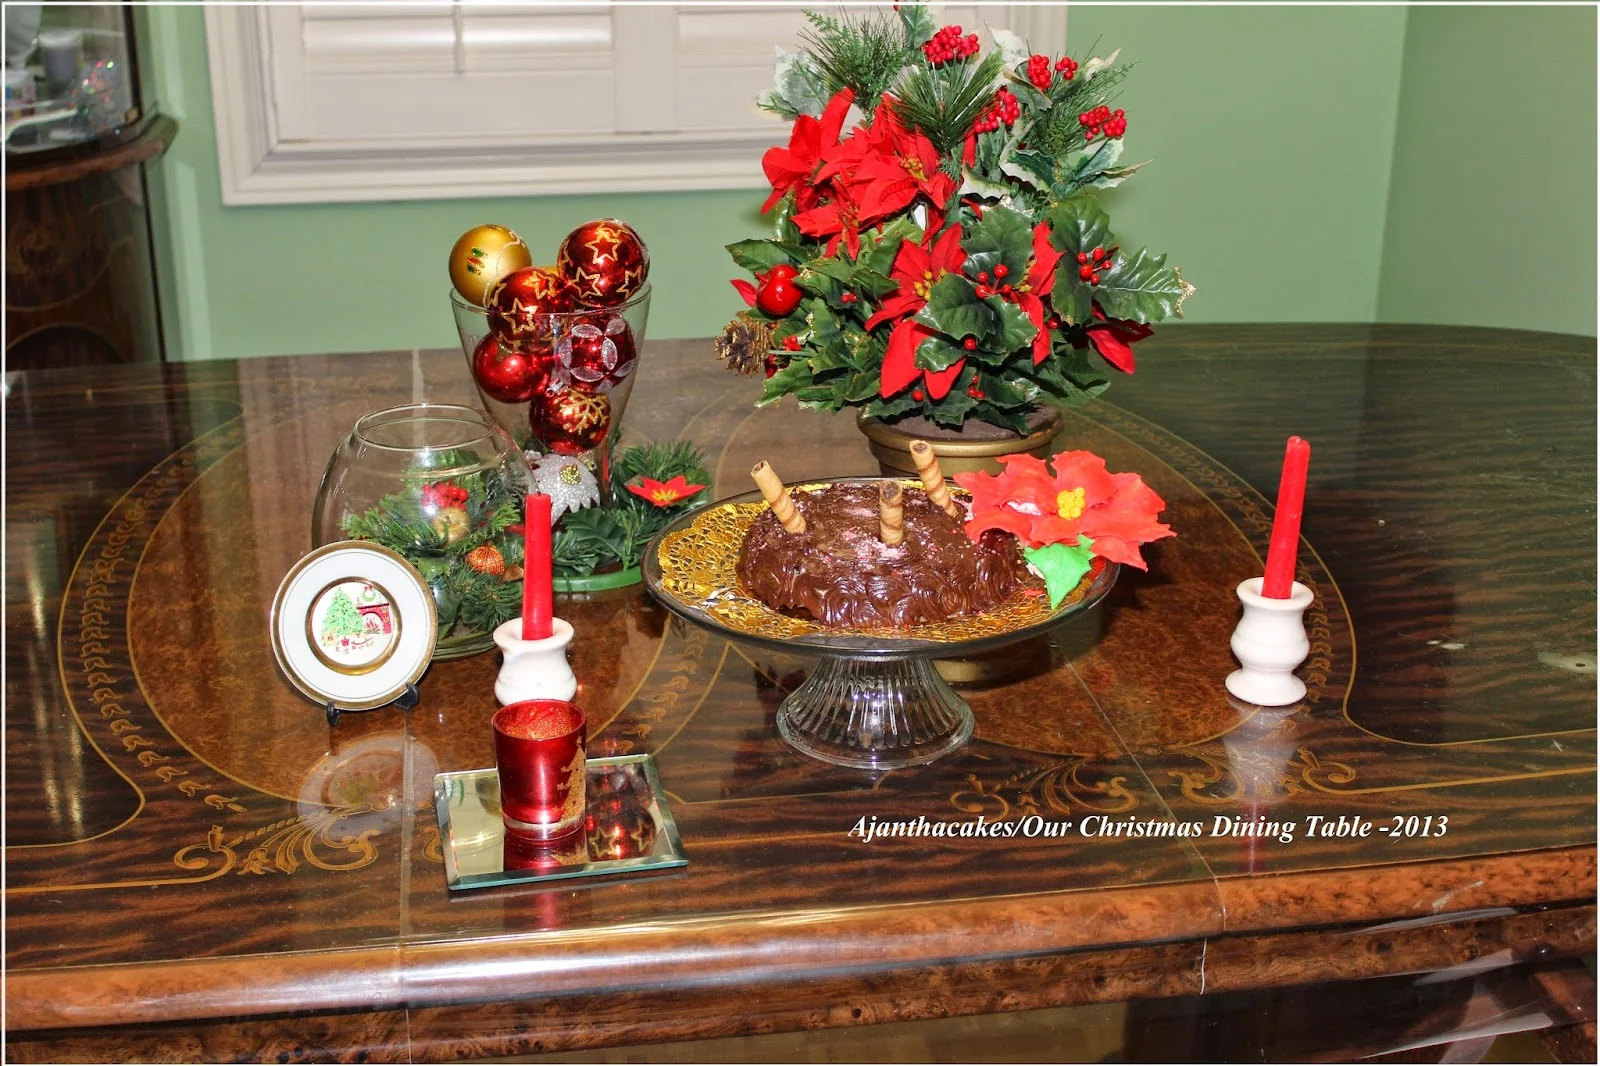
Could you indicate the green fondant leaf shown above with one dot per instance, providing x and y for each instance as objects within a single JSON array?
[{"x": 1062, "y": 566}]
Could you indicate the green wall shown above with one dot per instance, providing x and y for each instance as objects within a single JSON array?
[
  {"x": 1492, "y": 204},
  {"x": 1272, "y": 132}
]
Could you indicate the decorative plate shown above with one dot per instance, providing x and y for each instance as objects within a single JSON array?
[
  {"x": 353, "y": 624},
  {"x": 690, "y": 568}
]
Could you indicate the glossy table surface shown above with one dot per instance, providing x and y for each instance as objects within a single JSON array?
[{"x": 188, "y": 839}]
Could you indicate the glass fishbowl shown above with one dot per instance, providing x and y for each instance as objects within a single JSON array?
[{"x": 70, "y": 75}]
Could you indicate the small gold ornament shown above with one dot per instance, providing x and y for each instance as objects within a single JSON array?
[
  {"x": 452, "y": 523},
  {"x": 482, "y": 256}
]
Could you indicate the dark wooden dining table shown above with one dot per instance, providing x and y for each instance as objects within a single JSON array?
[{"x": 197, "y": 868}]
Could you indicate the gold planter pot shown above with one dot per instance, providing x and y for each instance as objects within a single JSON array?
[{"x": 974, "y": 447}]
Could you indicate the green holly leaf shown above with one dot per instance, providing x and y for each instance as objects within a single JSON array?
[
  {"x": 1008, "y": 393},
  {"x": 1015, "y": 418},
  {"x": 1079, "y": 224},
  {"x": 1141, "y": 287},
  {"x": 878, "y": 252},
  {"x": 937, "y": 353},
  {"x": 1067, "y": 376},
  {"x": 1084, "y": 165},
  {"x": 973, "y": 184},
  {"x": 953, "y": 308},
  {"x": 1032, "y": 167},
  {"x": 829, "y": 267},
  {"x": 791, "y": 378},
  {"x": 783, "y": 227},
  {"x": 863, "y": 386},
  {"x": 1110, "y": 179},
  {"x": 954, "y": 408},
  {"x": 873, "y": 283},
  {"x": 1000, "y": 236},
  {"x": 1071, "y": 298},
  {"x": 1062, "y": 566},
  {"x": 756, "y": 255},
  {"x": 1013, "y": 329}
]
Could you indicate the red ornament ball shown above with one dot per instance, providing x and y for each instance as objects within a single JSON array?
[
  {"x": 604, "y": 262},
  {"x": 597, "y": 353},
  {"x": 509, "y": 374},
  {"x": 778, "y": 294},
  {"x": 571, "y": 421},
  {"x": 519, "y": 302}
]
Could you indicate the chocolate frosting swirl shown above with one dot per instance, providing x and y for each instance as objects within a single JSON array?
[{"x": 841, "y": 574}]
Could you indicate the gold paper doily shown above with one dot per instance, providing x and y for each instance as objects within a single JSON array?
[{"x": 697, "y": 569}]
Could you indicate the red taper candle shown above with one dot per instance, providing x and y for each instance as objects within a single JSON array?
[
  {"x": 537, "y": 594},
  {"x": 1285, "y": 547}
]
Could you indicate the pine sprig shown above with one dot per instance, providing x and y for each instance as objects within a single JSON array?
[
  {"x": 943, "y": 102},
  {"x": 1058, "y": 131},
  {"x": 396, "y": 527},
  {"x": 862, "y": 53}
]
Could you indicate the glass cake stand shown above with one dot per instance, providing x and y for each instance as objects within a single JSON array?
[{"x": 874, "y": 700}]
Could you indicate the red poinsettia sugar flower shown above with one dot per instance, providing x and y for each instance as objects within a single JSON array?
[
  {"x": 664, "y": 493},
  {"x": 918, "y": 268},
  {"x": 1114, "y": 338},
  {"x": 1081, "y": 498},
  {"x": 791, "y": 167}
]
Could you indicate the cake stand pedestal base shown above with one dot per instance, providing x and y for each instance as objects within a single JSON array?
[{"x": 875, "y": 714}]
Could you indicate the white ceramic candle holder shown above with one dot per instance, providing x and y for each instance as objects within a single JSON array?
[
  {"x": 1269, "y": 642},
  {"x": 534, "y": 669}
]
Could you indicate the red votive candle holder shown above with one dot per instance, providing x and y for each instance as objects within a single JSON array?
[{"x": 539, "y": 749}]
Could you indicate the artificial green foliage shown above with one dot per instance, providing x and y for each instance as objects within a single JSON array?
[
  {"x": 614, "y": 538},
  {"x": 1003, "y": 150}
]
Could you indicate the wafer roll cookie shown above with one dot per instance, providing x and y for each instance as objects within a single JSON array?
[
  {"x": 777, "y": 496},
  {"x": 932, "y": 479},
  {"x": 891, "y": 524}
]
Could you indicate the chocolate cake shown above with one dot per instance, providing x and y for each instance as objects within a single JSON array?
[{"x": 841, "y": 574}]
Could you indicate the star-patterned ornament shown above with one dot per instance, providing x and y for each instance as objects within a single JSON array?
[
  {"x": 604, "y": 262},
  {"x": 521, "y": 303},
  {"x": 568, "y": 482}
]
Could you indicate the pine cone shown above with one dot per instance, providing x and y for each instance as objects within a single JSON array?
[
  {"x": 486, "y": 559},
  {"x": 743, "y": 344}
]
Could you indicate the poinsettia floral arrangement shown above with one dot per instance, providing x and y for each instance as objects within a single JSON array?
[
  {"x": 938, "y": 246},
  {"x": 1065, "y": 513}
]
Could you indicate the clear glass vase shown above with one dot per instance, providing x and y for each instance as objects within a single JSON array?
[
  {"x": 445, "y": 488},
  {"x": 563, "y": 391}
]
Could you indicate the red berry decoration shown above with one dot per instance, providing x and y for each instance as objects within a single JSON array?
[
  {"x": 571, "y": 421},
  {"x": 605, "y": 262},
  {"x": 918, "y": 395},
  {"x": 1067, "y": 67},
  {"x": 1085, "y": 272},
  {"x": 520, "y": 302},
  {"x": 1001, "y": 270},
  {"x": 508, "y": 374},
  {"x": 848, "y": 297},
  {"x": 791, "y": 344},
  {"x": 778, "y": 295},
  {"x": 1039, "y": 72},
  {"x": 597, "y": 352},
  {"x": 1094, "y": 279},
  {"x": 969, "y": 343},
  {"x": 1083, "y": 257}
]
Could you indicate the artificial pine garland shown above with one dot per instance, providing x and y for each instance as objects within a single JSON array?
[{"x": 464, "y": 534}]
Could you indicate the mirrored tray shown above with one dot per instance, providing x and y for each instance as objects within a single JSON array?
[
  {"x": 874, "y": 701},
  {"x": 629, "y": 829}
]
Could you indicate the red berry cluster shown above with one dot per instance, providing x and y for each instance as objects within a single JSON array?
[
  {"x": 1067, "y": 67},
  {"x": 986, "y": 289},
  {"x": 791, "y": 343},
  {"x": 948, "y": 45},
  {"x": 1039, "y": 72},
  {"x": 973, "y": 390},
  {"x": 1103, "y": 118},
  {"x": 1091, "y": 264},
  {"x": 1004, "y": 109},
  {"x": 442, "y": 495}
]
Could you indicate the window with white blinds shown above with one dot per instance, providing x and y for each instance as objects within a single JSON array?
[{"x": 340, "y": 102}]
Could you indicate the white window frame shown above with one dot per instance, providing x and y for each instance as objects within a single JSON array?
[{"x": 260, "y": 164}]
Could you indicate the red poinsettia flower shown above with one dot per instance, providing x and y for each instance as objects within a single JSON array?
[
  {"x": 887, "y": 166},
  {"x": 837, "y": 216},
  {"x": 1037, "y": 285},
  {"x": 793, "y": 166},
  {"x": 1113, "y": 338},
  {"x": 664, "y": 493},
  {"x": 1116, "y": 511},
  {"x": 900, "y": 367},
  {"x": 918, "y": 268}
]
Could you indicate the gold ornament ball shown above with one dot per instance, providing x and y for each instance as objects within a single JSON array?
[
  {"x": 482, "y": 256},
  {"x": 451, "y": 523}
]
